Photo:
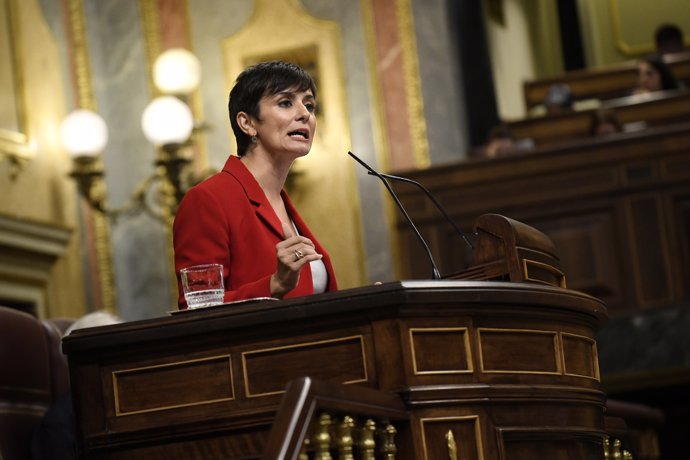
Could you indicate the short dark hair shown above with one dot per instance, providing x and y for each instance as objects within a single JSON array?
[
  {"x": 257, "y": 81},
  {"x": 668, "y": 38}
]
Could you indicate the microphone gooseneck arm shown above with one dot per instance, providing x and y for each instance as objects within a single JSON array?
[
  {"x": 433, "y": 200},
  {"x": 434, "y": 270}
]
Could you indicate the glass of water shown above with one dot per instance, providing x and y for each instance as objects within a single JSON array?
[{"x": 203, "y": 285}]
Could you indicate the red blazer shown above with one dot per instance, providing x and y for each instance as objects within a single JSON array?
[{"x": 227, "y": 219}]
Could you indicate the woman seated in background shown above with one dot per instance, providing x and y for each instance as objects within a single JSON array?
[
  {"x": 604, "y": 123},
  {"x": 654, "y": 75}
]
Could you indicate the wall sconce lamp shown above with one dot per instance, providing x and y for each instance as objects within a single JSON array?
[{"x": 167, "y": 122}]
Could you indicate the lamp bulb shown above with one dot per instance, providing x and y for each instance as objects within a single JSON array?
[
  {"x": 167, "y": 120},
  {"x": 177, "y": 71},
  {"x": 83, "y": 133}
]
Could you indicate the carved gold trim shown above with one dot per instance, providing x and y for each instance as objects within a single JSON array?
[
  {"x": 452, "y": 446},
  {"x": 557, "y": 351},
  {"x": 249, "y": 394},
  {"x": 622, "y": 46},
  {"x": 594, "y": 356},
  {"x": 477, "y": 432},
  {"x": 151, "y": 25},
  {"x": 466, "y": 340},
  {"x": 86, "y": 100},
  {"x": 413, "y": 83},
  {"x": 16, "y": 144},
  {"x": 525, "y": 268},
  {"x": 116, "y": 395}
]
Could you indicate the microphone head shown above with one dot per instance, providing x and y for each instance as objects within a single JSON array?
[{"x": 360, "y": 161}]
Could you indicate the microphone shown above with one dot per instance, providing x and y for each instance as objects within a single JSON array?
[
  {"x": 435, "y": 274},
  {"x": 433, "y": 200}
]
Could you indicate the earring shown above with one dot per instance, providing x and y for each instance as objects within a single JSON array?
[{"x": 254, "y": 139}]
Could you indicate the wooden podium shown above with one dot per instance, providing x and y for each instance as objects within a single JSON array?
[{"x": 509, "y": 368}]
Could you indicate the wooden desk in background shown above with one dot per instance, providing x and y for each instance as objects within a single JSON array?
[
  {"x": 601, "y": 83},
  {"x": 654, "y": 109},
  {"x": 617, "y": 209}
]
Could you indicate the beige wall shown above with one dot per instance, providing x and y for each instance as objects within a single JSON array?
[
  {"x": 618, "y": 30},
  {"x": 524, "y": 46},
  {"x": 42, "y": 193}
]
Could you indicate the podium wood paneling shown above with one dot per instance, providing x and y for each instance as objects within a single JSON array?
[{"x": 509, "y": 368}]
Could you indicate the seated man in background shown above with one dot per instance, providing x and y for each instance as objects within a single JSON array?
[
  {"x": 558, "y": 100},
  {"x": 669, "y": 39}
]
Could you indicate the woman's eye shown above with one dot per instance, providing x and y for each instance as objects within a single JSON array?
[
  {"x": 310, "y": 107},
  {"x": 285, "y": 103}
]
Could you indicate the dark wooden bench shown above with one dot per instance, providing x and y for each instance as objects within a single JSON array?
[
  {"x": 601, "y": 83},
  {"x": 655, "y": 109}
]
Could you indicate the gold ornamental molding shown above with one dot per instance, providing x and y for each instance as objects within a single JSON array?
[
  {"x": 527, "y": 263},
  {"x": 15, "y": 141},
  {"x": 180, "y": 366},
  {"x": 557, "y": 350},
  {"x": 624, "y": 47},
  {"x": 594, "y": 355},
  {"x": 413, "y": 83},
  {"x": 85, "y": 100},
  {"x": 463, "y": 331},
  {"x": 302, "y": 345},
  {"x": 449, "y": 439}
]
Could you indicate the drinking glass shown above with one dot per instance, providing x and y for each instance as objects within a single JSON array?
[{"x": 203, "y": 285}]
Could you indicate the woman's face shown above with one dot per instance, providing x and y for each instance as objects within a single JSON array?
[
  {"x": 648, "y": 79},
  {"x": 288, "y": 122}
]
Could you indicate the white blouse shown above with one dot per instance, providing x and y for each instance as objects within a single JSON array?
[{"x": 319, "y": 275}]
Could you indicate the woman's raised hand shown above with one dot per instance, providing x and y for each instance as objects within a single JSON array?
[{"x": 293, "y": 253}]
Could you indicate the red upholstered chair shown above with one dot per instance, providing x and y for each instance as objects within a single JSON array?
[{"x": 33, "y": 372}]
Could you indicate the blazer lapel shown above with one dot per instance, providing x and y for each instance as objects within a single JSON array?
[{"x": 255, "y": 195}]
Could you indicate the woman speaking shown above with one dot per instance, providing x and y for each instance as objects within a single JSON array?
[{"x": 241, "y": 217}]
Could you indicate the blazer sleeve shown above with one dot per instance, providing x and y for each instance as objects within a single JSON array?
[{"x": 201, "y": 235}]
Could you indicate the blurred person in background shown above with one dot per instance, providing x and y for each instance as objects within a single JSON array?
[
  {"x": 604, "y": 123},
  {"x": 654, "y": 75},
  {"x": 669, "y": 39}
]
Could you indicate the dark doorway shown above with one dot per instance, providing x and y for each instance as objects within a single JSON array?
[{"x": 571, "y": 35}]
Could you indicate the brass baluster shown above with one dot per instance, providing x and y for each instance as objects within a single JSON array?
[
  {"x": 627, "y": 455},
  {"x": 367, "y": 443},
  {"x": 388, "y": 447},
  {"x": 303, "y": 455},
  {"x": 322, "y": 438},
  {"x": 345, "y": 441},
  {"x": 607, "y": 448},
  {"x": 616, "y": 450},
  {"x": 452, "y": 446}
]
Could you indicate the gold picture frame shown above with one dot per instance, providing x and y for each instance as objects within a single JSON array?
[{"x": 14, "y": 133}]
